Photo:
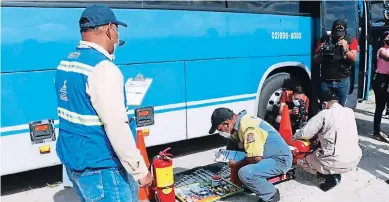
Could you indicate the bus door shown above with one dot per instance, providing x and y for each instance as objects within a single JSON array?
[
  {"x": 365, "y": 50},
  {"x": 347, "y": 11}
]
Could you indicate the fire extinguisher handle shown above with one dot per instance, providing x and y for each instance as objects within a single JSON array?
[{"x": 164, "y": 152}]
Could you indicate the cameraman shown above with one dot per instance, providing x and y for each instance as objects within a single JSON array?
[
  {"x": 336, "y": 54},
  {"x": 298, "y": 104}
]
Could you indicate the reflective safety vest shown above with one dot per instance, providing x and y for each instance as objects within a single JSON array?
[{"x": 82, "y": 141}]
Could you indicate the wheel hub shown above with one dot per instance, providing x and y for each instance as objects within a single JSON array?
[{"x": 274, "y": 100}]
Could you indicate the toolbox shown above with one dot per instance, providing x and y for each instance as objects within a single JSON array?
[{"x": 196, "y": 184}]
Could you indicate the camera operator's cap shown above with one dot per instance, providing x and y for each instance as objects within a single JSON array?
[
  {"x": 218, "y": 117},
  {"x": 99, "y": 15},
  {"x": 328, "y": 96},
  {"x": 339, "y": 28}
]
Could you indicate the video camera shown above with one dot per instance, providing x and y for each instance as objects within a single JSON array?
[{"x": 327, "y": 52}]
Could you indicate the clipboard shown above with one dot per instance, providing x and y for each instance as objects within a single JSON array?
[
  {"x": 225, "y": 156},
  {"x": 136, "y": 89}
]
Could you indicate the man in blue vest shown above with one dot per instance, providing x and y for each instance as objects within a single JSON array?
[{"x": 95, "y": 142}]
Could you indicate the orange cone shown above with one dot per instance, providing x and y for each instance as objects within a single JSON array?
[
  {"x": 145, "y": 194},
  {"x": 285, "y": 126}
]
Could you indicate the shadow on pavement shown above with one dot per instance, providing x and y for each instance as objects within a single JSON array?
[
  {"x": 179, "y": 170},
  {"x": 66, "y": 195},
  {"x": 305, "y": 178},
  {"x": 375, "y": 153},
  {"x": 19, "y": 182},
  {"x": 365, "y": 112},
  {"x": 375, "y": 158}
]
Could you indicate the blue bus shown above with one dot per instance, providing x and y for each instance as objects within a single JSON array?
[{"x": 200, "y": 54}]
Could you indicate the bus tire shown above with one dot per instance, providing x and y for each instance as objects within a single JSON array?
[{"x": 275, "y": 82}]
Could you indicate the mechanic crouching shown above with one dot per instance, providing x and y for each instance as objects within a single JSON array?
[
  {"x": 267, "y": 154},
  {"x": 298, "y": 104},
  {"x": 339, "y": 151}
]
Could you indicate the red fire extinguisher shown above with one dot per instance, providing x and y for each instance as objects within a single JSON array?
[{"x": 162, "y": 168}]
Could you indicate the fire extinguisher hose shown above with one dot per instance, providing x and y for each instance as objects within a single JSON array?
[{"x": 162, "y": 154}]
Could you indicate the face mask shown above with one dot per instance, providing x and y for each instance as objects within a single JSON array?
[
  {"x": 296, "y": 102},
  {"x": 387, "y": 42},
  {"x": 115, "y": 45},
  {"x": 225, "y": 134}
]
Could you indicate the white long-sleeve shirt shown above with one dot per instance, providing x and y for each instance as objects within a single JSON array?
[{"x": 105, "y": 87}]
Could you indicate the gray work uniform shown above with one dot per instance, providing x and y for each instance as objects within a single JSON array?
[{"x": 337, "y": 132}]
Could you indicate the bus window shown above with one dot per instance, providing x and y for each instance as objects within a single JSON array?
[
  {"x": 208, "y": 4},
  {"x": 310, "y": 7},
  {"x": 378, "y": 17},
  {"x": 344, "y": 10},
  {"x": 188, "y": 4},
  {"x": 266, "y": 6},
  {"x": 166, "y": 3}
]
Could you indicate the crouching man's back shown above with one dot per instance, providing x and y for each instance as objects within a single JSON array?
[
  {"x": 339, "y": 151},
  {"x": 339, "y": 140}
]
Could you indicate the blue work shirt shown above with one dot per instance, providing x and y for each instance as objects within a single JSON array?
[{"x": 259, "y": 138}]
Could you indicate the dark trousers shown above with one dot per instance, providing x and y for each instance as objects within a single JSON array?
[{"x": 380, "y": 86}]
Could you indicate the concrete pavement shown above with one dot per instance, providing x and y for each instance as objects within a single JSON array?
[{"x": 366, "y": 183}]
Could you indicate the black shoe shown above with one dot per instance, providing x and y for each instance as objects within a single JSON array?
[
  {"x": 276, "y": 197},
  {"x": 330, "y": 181}
]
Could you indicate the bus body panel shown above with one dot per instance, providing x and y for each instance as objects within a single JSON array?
[
  {"x": 27, "y": 96},
  {"x": 18, "y": 154},
  {"x": 167, "y": 88},
  {"x": 191, "y": 55},
  {"x": 152, "y": 36}
]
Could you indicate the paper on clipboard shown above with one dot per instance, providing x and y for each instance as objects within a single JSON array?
[
  {"x": 225, "y": 156},
  {"x": 136, "y": 89}
]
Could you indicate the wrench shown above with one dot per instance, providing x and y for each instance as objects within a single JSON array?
[
  {"x": 205, "y": 176},
  {"x": 202, "y": 177},
  {"x": 198, "y": 178},
  {"x": 209, "y": 173}
]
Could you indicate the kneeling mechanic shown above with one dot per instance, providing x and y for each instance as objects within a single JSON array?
[
  {"x": 339, "y": 151},
  {"x": 267, "y": 154}
]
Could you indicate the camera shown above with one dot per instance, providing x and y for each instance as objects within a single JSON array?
[
  {"x": 327, "y": 49},
  {"x": 299, "y": 118},
  {"x": 327, "y": 52}
]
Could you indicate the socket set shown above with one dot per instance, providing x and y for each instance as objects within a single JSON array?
[
  {"x": 205, "y": 192},
  {"x": 198, "y": 176},
  {"x": 225, "y": 172},
  {"x": 227, "y": 155}
]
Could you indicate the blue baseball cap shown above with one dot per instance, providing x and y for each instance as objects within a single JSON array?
[{"x": 98, "y": 15}]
